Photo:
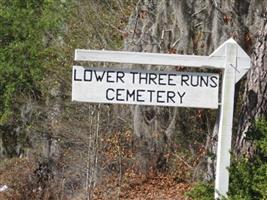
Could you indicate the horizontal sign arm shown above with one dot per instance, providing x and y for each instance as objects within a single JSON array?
[
  {"x": 215, "y": 60},
  {"x": 149, "y": 58}
]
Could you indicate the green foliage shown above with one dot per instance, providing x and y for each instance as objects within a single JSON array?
[
  {"x": 202, "y": 191},
  {"x": 28, "y": 29},
  {"x": 248, "y": 174}
]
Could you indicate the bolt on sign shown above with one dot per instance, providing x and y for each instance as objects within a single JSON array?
[
  {"x": 184, "y": 89},
  {"x": 145, "y": 87}
]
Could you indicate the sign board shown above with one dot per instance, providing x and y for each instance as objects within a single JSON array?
[
  {"x": 124, "y": 86},
  {"x": 168, "y": 88}
]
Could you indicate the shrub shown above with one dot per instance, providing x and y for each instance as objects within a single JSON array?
[
  {"x": 202, "y": 191},
  {"x": 248, "y": 174}
]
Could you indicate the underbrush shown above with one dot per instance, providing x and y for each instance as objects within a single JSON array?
[
  {"x": 248, "y": 173},
  {"x": 27, "y": 179}
]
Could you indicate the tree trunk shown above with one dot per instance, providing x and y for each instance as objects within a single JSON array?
[
  {"x": 255, "y": 95},
  {"x": 191, "y": 27}
]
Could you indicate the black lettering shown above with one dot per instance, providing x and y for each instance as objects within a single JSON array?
[
  {"x": 196, "y": 82},
  {"x": 85, "y": 77},
  {"x": 99, "y": 77},
  {"x": 161, "y": 79},
  {"x": 118, "y": 95},
  {"x": 205, "y": 80},
  {"x": 107, "y": 94},
  {"x": 181, "y": 97},
  {"x": 75, "y": 78},
  {"x": 142, "y": 76},
  {"x": 150, "y": 94},
  {"x": 184, "y": 79},
  {"x": 120, "y": 76},
  {"x": 109, "y": 77},
  {"x": 160, "y": 96},
  {"x": 152, "y": 78},
  {"x": 138, "y": 95},
  {"x": 134, "y": 73},
  {"x": 214, "y": 82},
  {"x": 130, "y": 95},
  {"x": 171, "y": 79},
  {"x": 170, "y": 96}
]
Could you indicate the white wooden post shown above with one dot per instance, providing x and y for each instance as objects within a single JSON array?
[{"x": 226, "y": 121}]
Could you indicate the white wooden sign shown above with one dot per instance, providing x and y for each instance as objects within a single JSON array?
[
  {"x": 141, "y": 87},
  {"x": 229, "y": 57}
]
